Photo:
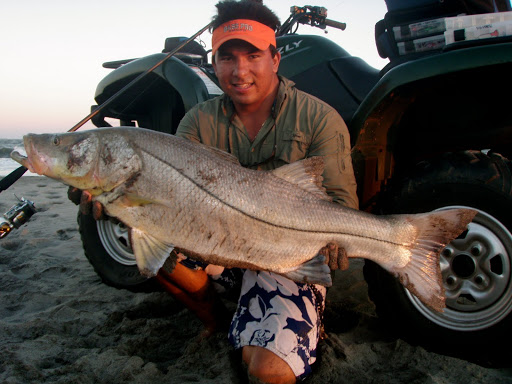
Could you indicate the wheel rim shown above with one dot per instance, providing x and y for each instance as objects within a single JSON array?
[
  {"x": 476, "y": 271},
  {"x": 114, "y": 237}
]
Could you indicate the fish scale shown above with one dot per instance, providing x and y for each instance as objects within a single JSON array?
[{"x": 174, "y": 192}]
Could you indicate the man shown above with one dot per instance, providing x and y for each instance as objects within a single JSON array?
[{"x": 266, "y": 123}]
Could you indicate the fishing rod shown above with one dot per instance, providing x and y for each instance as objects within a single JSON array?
[
  {"x": 21, "y": 212},
  {"x": 11, "y": 178}
]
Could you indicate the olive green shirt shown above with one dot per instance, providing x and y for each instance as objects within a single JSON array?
[{"x": 300, "y": 126}]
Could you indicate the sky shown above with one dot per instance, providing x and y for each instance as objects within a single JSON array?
[{"x": 51, "y": 52}]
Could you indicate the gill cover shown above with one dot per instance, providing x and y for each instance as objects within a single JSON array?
[
  {"x": 117, "y": 161},
  {"x": 94, "y": 160}
]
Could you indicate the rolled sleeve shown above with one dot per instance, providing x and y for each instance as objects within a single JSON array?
[
  {"x": 331, "y": 140},
  {"x": 189, "y": 126}
]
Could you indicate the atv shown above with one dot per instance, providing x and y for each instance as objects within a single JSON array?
[{"x": 430, "y": 131}]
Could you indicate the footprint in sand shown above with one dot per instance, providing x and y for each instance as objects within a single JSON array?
[
  {"x": 10, "y": 245},
  {"x": 54, "y": 197},
  {"x": 66, "y": 234}
]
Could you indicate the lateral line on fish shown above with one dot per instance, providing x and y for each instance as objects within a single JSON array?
[{"x": 261, "y": 220}]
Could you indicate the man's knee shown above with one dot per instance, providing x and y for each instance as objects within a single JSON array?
[
  {"x": 194, "y": 282},
  {"x": 266, "y": 366}
]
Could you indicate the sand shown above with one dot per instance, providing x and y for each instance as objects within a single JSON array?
[{"x": 60, "y": 324}]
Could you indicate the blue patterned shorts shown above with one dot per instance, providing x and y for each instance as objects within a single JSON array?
[
  {"x": 274, "y": 313},
  {"x": 280, "y": 315}
]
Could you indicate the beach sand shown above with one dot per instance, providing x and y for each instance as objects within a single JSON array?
[{"x": 60, "y": 324}]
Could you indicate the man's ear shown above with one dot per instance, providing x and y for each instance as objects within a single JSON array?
[
  {"x": 214, "y": 64},
  {"x": 276, "y": 60}
]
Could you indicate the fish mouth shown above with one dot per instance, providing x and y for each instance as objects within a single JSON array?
[
  {"x": 24, "y": 157},
  {"x": 20, "y": 157}
]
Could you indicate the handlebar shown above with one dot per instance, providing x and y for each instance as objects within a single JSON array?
[
  {"x": 310, "y": 15},
  {"x": 335, "y": 24}
]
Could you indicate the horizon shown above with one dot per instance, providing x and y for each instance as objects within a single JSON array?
[{"x": 52, "y": 60}]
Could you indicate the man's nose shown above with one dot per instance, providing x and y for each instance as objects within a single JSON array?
[{"x": 241, "y": 67}]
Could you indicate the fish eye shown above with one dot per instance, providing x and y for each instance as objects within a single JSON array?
[{"x": 56, "y": 140}]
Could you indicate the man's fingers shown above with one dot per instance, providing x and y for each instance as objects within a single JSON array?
[
  {"x": 97, "y": 211},
  {"x": 343, "y": 262},
  {"x": 333, "y": 255},
  {"x": 86, "y": 203},
  {"x": 75, "y": 195},
  {"x": 336, "y": 257},
  {"x": 87, "y": 206}
]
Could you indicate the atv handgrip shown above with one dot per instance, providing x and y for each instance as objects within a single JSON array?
[{"x": 335, "y": 24}]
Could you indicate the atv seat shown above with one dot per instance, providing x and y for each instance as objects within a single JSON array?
[
  {"x": 191, "y": 53},
  {"x": 345, "y": 83}
]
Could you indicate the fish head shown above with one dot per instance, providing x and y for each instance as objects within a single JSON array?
[{"x": 89, "y": 160}]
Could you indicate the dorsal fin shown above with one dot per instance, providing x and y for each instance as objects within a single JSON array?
[{"x": 307, "y": 174}]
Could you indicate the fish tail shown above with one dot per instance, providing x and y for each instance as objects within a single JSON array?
[{"x": 422, "y": 275}]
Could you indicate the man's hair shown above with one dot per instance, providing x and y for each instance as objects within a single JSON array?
[{"x": 228, "y": 10}]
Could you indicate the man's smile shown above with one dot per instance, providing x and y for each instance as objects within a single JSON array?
[{"x": 242, "y": 85}]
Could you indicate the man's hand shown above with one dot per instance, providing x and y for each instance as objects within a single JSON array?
[
  {"x": 87, "y": 206},
  {"x": 335, "y": 257}
]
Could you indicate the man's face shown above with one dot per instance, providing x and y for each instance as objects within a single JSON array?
[{"x": 245, "y": 73}]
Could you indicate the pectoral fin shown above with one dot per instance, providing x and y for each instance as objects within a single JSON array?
[
  {"x": 314, "y": 271},
  {"x": 150, "y": 253},
  {"x": 132, "y": 200}
]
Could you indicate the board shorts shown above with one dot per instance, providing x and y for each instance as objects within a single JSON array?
[{"x": 273, "y": 312}]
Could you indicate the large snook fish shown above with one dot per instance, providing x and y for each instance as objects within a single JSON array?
[{"x": 173, "y": 192}]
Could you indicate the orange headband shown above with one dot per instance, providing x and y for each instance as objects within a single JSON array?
[{"x": 255, "y": 33}]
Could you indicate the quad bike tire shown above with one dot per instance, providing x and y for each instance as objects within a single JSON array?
[
  {"x": 476, "y": 267},
  {"x": 107, "y": 247}
]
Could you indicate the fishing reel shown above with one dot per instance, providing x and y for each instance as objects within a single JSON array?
[{"x": 15, "y": 217}]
